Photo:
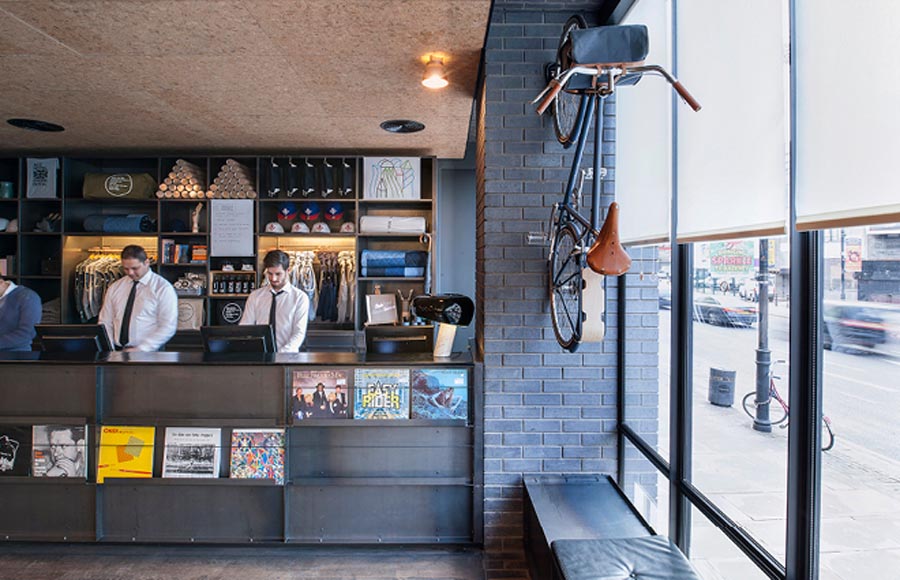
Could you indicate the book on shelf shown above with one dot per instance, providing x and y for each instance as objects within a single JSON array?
[
  {"x": 381, "y": 394},
  {"x": 192, "y": 452},
  {"x": 15, "y": 449},
  {"x": 199, "y": 253},
  {"x": 125, "y": 451},
  {"x": 319, "y": 394},
  {"x": 168, "y": 250},
  {"x": 440, "y": 394},
  {"x": 257, "y": 454},
  {"x": 59, "y": 451}
]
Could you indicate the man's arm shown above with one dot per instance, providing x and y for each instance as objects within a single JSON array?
[
  {"x": 107, "y": 317},
  {"x": 29, "y": 315},
  {"x": 166, "y": 321},
  {"x": 300, "y": 320},
  {"x": 249, "y": 315}
]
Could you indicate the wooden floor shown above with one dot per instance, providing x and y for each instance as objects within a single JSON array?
[{"x": 125, "y": 562}]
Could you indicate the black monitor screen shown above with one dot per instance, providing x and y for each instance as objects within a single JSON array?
[
  {"x": 249, "y": 338},
  {"x": 73, "y": 338}
]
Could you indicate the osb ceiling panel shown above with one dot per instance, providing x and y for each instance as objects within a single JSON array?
[{"x": 236, "y": 76}]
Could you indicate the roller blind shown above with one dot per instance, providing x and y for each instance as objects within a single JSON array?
[
  {"x": 644, "y": 139},
  {"x": 732, "y": 156},
  {"x": 848, "y": 112}
]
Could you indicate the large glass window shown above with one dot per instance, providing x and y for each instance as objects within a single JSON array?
[
  {"x": 715, "y": 557},
  {"x": 647, "y": 488},
  {"x": 740, "y": 325},
  {"x": 861, "y": 400}
]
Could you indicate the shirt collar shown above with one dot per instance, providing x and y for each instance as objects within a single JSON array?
[
  {"x": 145, "y": 279},
  {"x": 10, "y": 288}
]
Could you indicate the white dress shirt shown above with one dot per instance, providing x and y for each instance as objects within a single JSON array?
[
  {"x": 10, "y": 286},
  {"x": 154, "y": 316},
  {"x": 292, "y": 312}
]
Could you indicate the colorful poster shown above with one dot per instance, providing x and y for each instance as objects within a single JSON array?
[
  {"x": 392, "y": 178},
  {"x": 192, "y": 452},
  {"x": 15, "y": 450},
  {"x": 59, "y": 451},
  {"x": 732, "y": 258},
  {"x": 257, "y": 454},
  {"x": 125, "y": 451},
  {"x": 381, "y": 394},
  {"x": 319, "y": 394},
  {"x": 440, "y": 394}
]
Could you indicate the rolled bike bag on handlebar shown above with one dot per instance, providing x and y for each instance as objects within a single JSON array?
[{"x": 624, "y": 43}]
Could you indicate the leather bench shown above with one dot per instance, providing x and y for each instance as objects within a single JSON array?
[{"x": 583, "y": 527}]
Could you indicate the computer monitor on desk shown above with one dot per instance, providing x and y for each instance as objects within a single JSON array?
[
  {"x": 232, "y": 339},
  {"x": 67, "y": 338}
]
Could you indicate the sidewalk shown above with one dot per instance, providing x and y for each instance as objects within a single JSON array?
[{"x": 744, "y": 472}]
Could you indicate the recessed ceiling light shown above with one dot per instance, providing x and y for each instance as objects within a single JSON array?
[
  {"x": 35, "y": 125},
  {"x": 402, "y": 126}
]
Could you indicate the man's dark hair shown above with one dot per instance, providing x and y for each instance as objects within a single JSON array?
[
  {"x": 134, "y": 252},
  {"x": 277, "y": 258}
]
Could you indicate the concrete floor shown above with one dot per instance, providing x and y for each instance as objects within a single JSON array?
[{"x": 126, "y": 562}]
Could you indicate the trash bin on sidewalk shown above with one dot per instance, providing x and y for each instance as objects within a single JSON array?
[{"x": 721, "y": 387}]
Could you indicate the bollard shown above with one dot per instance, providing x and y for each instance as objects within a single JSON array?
[{"x": 721, "y": 387}]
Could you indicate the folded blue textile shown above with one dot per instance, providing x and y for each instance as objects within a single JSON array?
[
  {"x": 396, "y": 272},
  {"x": 118, "y": 224},
  {"x": 392, "y": 259}
]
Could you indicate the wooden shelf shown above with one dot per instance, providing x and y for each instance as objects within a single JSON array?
[
  {"x": 396, "y": 201},
  {"x": 191, "y": 265},
  {"x": 392, "y": 278}
]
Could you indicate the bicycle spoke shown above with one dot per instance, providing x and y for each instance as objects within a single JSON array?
[{"x": 558, "y": 283}]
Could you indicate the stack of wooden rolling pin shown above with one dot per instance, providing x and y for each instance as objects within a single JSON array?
[{"x": 186, "y": 181}]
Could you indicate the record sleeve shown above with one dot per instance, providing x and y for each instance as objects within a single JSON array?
[
  {"x": 125, "y": 451},
  {"x": 15, "y": 450},
  {"x": 59, "y": 451},
  {"x": 319, "y": 394},
  {"x": 257, "y": 454},
  {"x": 440, "y": 394},
  {"x": 192, "y": 452},
  {"x": 381, "y": 394}
]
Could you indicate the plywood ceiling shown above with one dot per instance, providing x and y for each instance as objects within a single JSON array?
[{"x": 237, "y": 76}]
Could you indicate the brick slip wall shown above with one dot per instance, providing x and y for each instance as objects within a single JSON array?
[{"x": 546, "y": 411}]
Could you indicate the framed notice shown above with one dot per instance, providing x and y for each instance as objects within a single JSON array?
[
  {"x": 392, "y": 178},
  {"x": 231, "y": 227}
]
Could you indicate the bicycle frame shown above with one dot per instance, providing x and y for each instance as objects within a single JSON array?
[{"x": 567, "y": 208}]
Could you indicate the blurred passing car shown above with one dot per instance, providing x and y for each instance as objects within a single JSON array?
[
  {"x": 853, "y": 324},
  {"x": 708, "y": 309},
  {"x": 665, "y": 295}
]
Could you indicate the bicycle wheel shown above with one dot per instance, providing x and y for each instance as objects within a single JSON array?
[
  {"x": 566, "y": 106},
  {"x": 777, "y": 414},
  {"x": 827, "y": 434},
  {"x": 566, "y": 286}
]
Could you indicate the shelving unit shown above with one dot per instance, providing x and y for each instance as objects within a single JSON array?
[{"x": 172, "y": 220}]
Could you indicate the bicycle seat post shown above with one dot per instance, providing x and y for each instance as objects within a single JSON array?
[{"x": 597, "y": 185}]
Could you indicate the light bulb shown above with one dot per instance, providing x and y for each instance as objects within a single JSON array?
[{"x": 434, "y": 74}]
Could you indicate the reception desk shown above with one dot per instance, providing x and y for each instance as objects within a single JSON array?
[{"x": 346, "y": 480}]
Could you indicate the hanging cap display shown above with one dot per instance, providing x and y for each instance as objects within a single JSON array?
[
  {"x": 287, "y": 212},
  {"x": 334, "y": 211},
  {"x": 274, "y": 228},
  {"x": 300, "y": 227},
  {"x": 310, "y": 211},
  {"x": 321, "y": 228}
]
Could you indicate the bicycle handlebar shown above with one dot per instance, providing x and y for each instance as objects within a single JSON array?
[{"x": 557, "y": 84}]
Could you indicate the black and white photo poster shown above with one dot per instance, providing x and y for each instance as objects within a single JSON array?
[{"x": 192, "y": 452}]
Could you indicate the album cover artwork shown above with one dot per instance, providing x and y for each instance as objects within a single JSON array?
[
  {"x": 257, "y": 454},
  {"x": 15, "y": 450},
  {"x": 319, "y": 394},
  {"x": 381, "y": 394},
  {"x": 192, "y": 452},
  {"x": 125, "y": 451},
  {"x": 440, "y": 394},
  {"x": 59, "y": 451}
]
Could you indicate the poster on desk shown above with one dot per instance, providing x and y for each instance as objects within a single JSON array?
[
  {"x": 257, "y": 454},
  {"x": 125, "y": 451},
  {"x": 319, "y": 394},
  {"x": 15, "y": 450},
  {"x": 192, "y": 452},
  {"x": 59, "y": 451},
  {"x": 381, "y": 394},
  {"x": 440, "y": 394}
]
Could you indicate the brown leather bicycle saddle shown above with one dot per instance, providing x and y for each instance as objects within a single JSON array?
[{"x": 607, "y": 256}]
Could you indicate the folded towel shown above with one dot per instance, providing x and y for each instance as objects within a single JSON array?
[
  {"x": 118, "y": 224},
  {"x": 393, "y": 259},
  {"x": 397, "y": 272},
  {"x": 384, "y": 224}
]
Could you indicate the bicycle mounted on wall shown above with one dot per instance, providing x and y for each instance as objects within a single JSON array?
[{"x": 591, "y": 63}]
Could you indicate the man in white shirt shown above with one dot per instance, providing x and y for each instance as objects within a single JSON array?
[
  {"x": 140, "y": 311},
  {"x": 280, "y": 304}
]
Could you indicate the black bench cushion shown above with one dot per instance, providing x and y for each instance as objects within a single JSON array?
[{"x": 652, "y": 558}]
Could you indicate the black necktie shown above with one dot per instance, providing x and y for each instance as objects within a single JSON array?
[
  {"x": 126, "y": 320},
  {"x": 272, "y": 315}
]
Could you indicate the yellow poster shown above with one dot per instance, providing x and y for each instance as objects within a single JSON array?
[{"x": 125, "y": 452}]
